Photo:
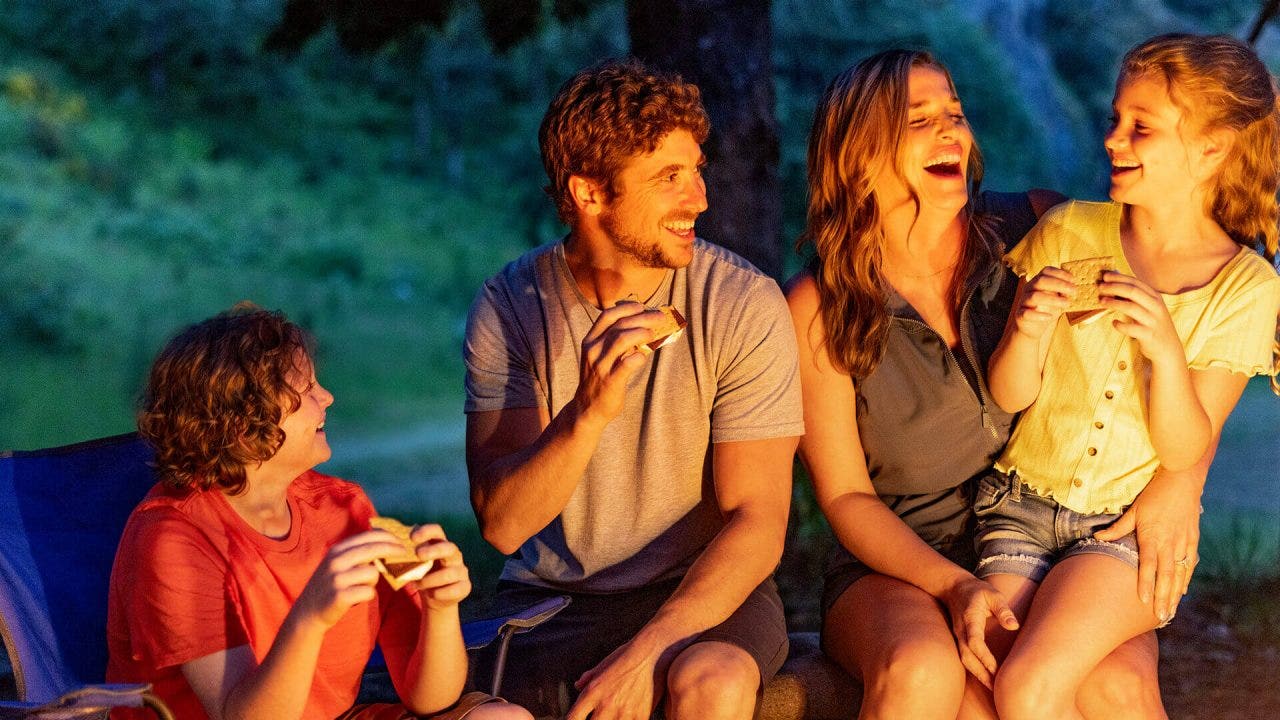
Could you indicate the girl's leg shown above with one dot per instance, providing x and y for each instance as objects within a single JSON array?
[
  {"x": 894, "y": 637},
  {"x": 1124, "y": 686},
  {"x": 1085, "y": 609}
]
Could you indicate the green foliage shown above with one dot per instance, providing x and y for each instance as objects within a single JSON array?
[
  {"x": 156, "y": 166},
  {"x": 1240, "y": 574},
  {"x": 1239, "y": 549}
]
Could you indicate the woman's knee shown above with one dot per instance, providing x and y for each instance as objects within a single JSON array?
[
  {"x": 918, "y": 677},
  {"x": 1122, "y": 686},
  {"x": 1028, "y": 691}
]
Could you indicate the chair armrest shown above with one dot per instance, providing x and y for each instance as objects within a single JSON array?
[
  {"x": 87, "y": 701},
  {"x": 479, "y": 633}
]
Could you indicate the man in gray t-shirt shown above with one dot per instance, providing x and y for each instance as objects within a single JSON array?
[{"x": 650, "y": 486}]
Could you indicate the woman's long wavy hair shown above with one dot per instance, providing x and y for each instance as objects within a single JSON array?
[
  {"x": 1219, "y": 83},
  {"x": 216, "y": 395},
  {"x": 857, "y": 133}
]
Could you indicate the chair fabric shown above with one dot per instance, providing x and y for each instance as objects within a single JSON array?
[{"x": 62, "y": 511}]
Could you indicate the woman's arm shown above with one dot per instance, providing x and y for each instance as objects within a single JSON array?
[
  {"x": 231, "y": 684},
  {"x": 1166, "y": 514},
  {"x": 832, "y": 452}
]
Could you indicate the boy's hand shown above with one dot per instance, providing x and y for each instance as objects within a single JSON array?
[
  {"x": 345, "y": 577},
  {"x": 448, "y": 582},
  {"x": 1044, "y": 298}
]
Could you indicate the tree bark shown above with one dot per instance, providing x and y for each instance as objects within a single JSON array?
[{"x": 725, "y": 48}]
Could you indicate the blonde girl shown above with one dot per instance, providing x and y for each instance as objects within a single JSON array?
[{"x": 1191, "y": 313}]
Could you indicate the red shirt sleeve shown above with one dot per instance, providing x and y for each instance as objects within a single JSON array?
[{"x": 178, "y": 607}]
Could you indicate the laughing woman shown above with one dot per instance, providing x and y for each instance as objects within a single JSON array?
[{"x": 896, "y": 316}]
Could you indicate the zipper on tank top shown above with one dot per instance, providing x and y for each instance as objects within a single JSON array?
[{"x": 987, "y": 423}]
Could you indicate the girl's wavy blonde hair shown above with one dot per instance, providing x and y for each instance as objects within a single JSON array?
[
  {"x": 1219, "y": 83},
  {"x": 857, "y": 133}
]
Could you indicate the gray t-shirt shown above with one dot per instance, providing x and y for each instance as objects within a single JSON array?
[{"x": 645, "y": 507}]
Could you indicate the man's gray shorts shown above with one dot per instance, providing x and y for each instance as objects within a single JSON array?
[{"x": 543, "y": 664}]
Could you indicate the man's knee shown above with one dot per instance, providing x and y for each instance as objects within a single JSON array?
[
  {"x": 499, "y": 711},
  {"x": 712, "y": 680}
]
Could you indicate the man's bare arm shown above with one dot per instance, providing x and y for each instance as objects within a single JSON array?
[{"x": 524, "y": 467}]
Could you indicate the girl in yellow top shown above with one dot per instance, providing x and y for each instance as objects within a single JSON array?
[{"x": 1191, "y": 313}]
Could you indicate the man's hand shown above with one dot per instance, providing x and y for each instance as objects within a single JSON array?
[
  {"x": 449, "y": 581},
  {"x": 1167, "y": 520},
  {"x": 609, "y": 358},
  {"x": 345, "y": 578},
  {"x": 971, "y": 603},
  {"x": 623, "y": 686}
]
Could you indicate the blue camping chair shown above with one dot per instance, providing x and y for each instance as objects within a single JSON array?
[{"x": 62, "y": 511}]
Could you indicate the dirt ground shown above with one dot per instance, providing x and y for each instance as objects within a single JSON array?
[{"x": 1207, "y": 672}]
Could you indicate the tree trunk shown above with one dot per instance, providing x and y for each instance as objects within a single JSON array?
[{"x": 724, "y": 47}]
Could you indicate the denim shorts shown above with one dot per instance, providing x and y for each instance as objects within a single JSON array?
[{"x": 1022, "y": 533}]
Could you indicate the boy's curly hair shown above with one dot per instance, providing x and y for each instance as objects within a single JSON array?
[
  {"x": 216, "y": 394},
  {"x": 610, "y": 112}
]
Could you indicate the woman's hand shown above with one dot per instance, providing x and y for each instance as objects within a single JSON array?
[
  {"x": 448, "y": 582},
  {"x": 1166, "y": 516},
  {"x": 970, "y": 603},
  {"x": 1143, "y": 317},
  {"x": 345, "y": 578},
  {"x": 1044, "y": 298}
]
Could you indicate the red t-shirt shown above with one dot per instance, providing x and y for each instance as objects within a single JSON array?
[{"x": 192, "y": 578}]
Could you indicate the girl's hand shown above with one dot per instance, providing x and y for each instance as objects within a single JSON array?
[
  {"x": 970, "y": 603},
  {"x": 345, "y": 578},
  {"x": 1044, "y": 298},
  {"x": 448, "y": 582},
  {"x": 1143, "y": 317}
]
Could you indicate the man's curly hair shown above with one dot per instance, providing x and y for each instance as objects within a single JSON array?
[
  {"x": 217, "y": 393},
  {"x": 608, "y": 113}
]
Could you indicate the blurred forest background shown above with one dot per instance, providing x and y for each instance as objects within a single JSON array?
[{"x": 158, "y": 164}]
